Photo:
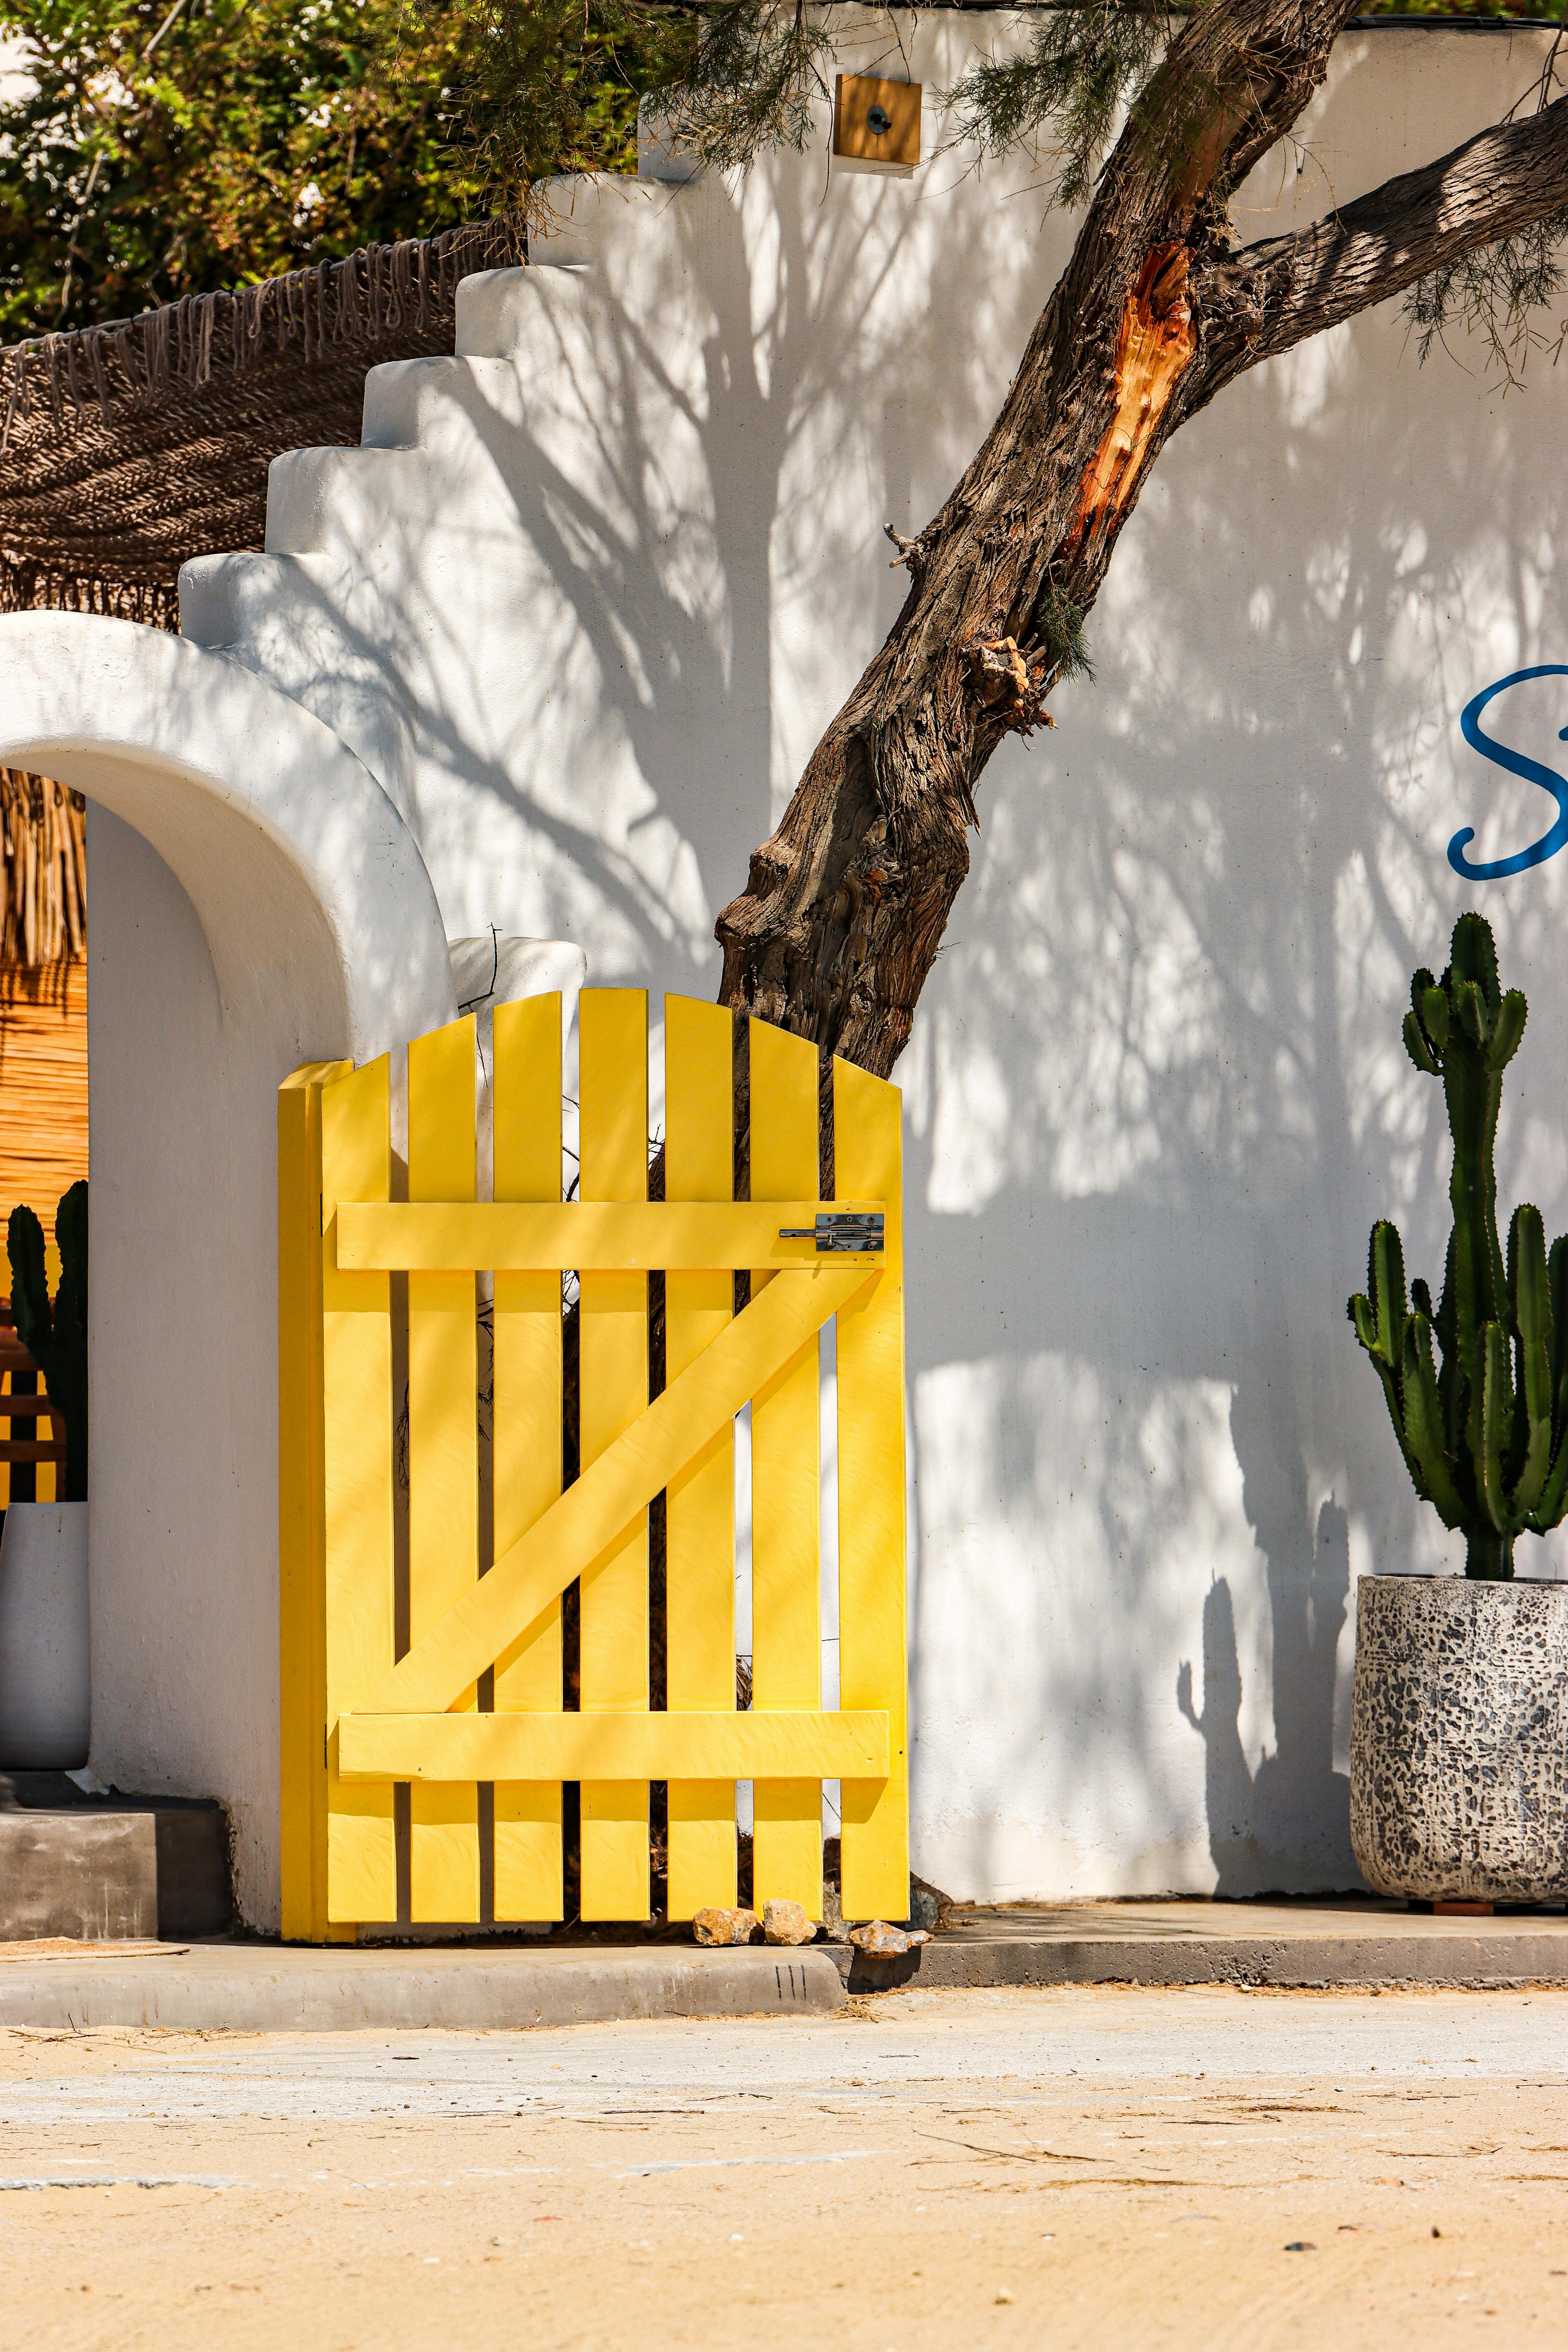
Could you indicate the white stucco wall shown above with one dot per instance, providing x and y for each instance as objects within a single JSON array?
[{"x": 584, "y": 604}]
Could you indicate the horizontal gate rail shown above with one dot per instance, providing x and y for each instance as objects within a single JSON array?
[
  {"x": 608, "y": 1236},
  {"x": 790, "y": 1743},
  {"x": 590, "y": 1520}
]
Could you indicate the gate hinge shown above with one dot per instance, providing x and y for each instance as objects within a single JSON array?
[{"x": 839, "y": 1232}]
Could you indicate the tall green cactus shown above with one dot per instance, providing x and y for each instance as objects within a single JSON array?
[
  {"x": 57, "y": 1339},
  {"x": 1485, "y": 1439}
]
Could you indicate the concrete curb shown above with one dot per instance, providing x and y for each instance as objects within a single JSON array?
[
  {"x": 1380, "y": 1958},
  {"x": 259, "y": 1989}
]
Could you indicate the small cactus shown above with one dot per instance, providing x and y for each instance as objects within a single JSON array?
[
  {"x": 1486, "y": 1438},
  {"x": 56, "y": 1339}
]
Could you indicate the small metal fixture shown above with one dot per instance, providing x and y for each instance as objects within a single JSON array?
[
  {"x": 839, "y": 1232},
  {"x": 878, "y": 119}
]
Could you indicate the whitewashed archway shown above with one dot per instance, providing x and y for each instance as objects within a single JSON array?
[{"x": 255, "y": 902}]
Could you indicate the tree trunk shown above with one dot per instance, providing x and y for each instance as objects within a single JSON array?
[{"x": 847, "y": 902}]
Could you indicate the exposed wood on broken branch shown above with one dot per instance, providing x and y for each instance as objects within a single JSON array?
[
  {"x": 1009, "y": 687},
  {"x": 1156, "y": 342}
]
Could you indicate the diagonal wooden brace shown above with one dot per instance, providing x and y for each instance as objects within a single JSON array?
[{"x": 589, "y": 1519}]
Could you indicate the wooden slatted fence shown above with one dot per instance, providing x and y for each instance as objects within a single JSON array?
[
  {"x": 32, "y": 1456},
  {"x": 407, "y": 1660}
]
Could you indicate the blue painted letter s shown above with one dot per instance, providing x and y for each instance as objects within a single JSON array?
[{"x": 1519, "y": 764}]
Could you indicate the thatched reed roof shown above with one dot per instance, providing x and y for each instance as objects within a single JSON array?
[{"x": 128, "y": 448}]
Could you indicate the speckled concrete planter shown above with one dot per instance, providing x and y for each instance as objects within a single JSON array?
[{"x": 1459, "y": 1739}]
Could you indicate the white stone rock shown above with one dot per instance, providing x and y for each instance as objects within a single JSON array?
[
  {"x": 787, "y": 1922},
  {"x": 717, "y": 1925}
]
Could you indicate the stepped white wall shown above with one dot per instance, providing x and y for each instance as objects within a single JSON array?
[{"x": 584, "y": 604}]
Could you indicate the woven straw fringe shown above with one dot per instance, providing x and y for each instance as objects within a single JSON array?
[
  {"x": 369, "y": 296},
  {"x": 27, "y": 587},
  {"x": 43, "y": 871}
]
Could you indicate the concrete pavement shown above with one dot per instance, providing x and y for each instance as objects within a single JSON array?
[
  {"x": 1093, "y": 2168},
  {"x": 256, "y": 1988}
]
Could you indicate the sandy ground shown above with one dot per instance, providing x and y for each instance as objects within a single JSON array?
[{"x": 1072, "y": 2168}]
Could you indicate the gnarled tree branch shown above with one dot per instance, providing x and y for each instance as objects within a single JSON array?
[
  {"x": 1504, "y": 180},
  {"x": 846, "y": 903}
]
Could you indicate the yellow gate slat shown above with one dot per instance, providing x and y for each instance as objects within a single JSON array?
[
  {"x": 874, "y": 1845},
  {"x": 527, "y": 1423},
  {"x": 786, "y": 1631},
  {"x": 700, "y": 1568},
  {"x": 301, "y": 1527},
  {"x": 356, "y": 1394},
  {"x": 613, "y": 1393},
  {"x": 443, "y": 1449}
]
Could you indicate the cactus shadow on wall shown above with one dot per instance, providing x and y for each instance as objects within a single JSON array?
[{"x": 1263, "y": 1824}]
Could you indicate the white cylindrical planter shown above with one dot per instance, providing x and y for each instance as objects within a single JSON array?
[
  {"x": 1459, "y": 1739},
  {"x": 45, "y": 1688}
]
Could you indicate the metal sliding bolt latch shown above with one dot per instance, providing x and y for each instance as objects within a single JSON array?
[{"x": 844, "y": 1232}]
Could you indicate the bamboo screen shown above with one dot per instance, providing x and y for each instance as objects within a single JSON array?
[
  {"x": 43, "y": 995},
  {"x": 43, "y": 1044}
]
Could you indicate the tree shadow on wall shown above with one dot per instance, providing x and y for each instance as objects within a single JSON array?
[
  {"x": 1291, "y": 1817},
  {"x": 1166, "y": 1096}
]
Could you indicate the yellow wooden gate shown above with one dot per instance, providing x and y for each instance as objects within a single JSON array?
[{"x": 409, "y": 1661}]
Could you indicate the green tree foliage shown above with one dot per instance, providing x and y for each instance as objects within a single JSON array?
[
  {"x": 168, "y": 150},
  {"x": 1066, "y": 87},
  {"x": 168, "y": 147},
  {"x": 538, "y": 83},
  {"x": 541, "y": 87},
  {"x": 748, "y": 82}
]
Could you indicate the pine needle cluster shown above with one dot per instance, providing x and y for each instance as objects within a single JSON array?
[
  {"x": 749, "y": 81},
  {"x": 1497, "y": 294},
  {"x": 1059, "y": 625},
  {"x": 1064, "y": 93},
  {"x": 538, "y": 88}
]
